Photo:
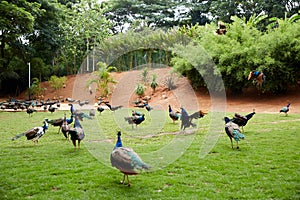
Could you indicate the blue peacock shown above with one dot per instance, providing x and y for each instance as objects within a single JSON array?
[
  {"x": 126, "y": 160},
  {"x": 233, "y": 131},
  {"x": 77, "y": 133},
  {"x": 285, "y": 109},
  {"x": 34, "y": 133},
  {"x": 174, "y": 115}
]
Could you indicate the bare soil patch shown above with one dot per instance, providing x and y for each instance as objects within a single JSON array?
[{"x": 123, "y": 94}]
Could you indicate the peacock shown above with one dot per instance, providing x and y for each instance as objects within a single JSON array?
[
  {"x": 76, "y": 133},
  {"x": 34, "y": 133},
  {"x": 100, "y": 109},
  {"x": 92, "y": 113},
  {"x": 233, "y": 131},
  {"x": 136, "y": 118},
  {"x": 52, "y": 109},
  {"x": 186, "y": 119},
  {"x": 126, "y": 160},
  {"x": 113, "y": 108},
  {"x": 242, "y": 120},
  {"x": 30, "y": 111},
  {"x": 144, "y": 104},
  {"x": 174, "y": 115},
  {"x": 65, "y": 127},
  {"x": 58, "y": 122},
  {"x": 285, "y": 109}
]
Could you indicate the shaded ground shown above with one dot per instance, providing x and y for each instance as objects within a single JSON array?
[{"x": 123, "y": 94}]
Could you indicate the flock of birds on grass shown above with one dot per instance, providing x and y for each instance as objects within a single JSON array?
[{"x": 124, "y": 158}]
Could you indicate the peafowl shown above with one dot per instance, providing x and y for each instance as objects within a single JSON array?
[
  {"x": 148, "y": 107},
  {"x": 58, "y": 122},
  {"x": 100, "y": 109},
  {"x": 76, "y": 133},
  {"x": 30, "y": 111},
  {"x": 144, "y": 104},
  {"x": 173, "y": 115},
  {"x": 113, "y": 108},
  {"x": 65, "y": 127},
  {"x": 242, "y": 120},
  {"x": 81, "y": 115},
  {"x": 186, "y": 119},
  {"x": 233, "y": 131},
  {"x": 126, "y": 160},
  {"x": 34, "y": 133},
  {"x": 72, "y": 110},
  {"x": 92, "y": 113},
  {"x": 135, "y": 118},
  {"x": 285, "y": 109},
  {"x": 52, "y": 109}
]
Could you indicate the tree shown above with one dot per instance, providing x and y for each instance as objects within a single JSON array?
[
  {"x": 84, "y": 28},
  {"x": 15, "y": 21}
]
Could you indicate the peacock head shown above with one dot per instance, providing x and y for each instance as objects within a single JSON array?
[
  {"x": 119, "y": 133},
  {"x": 226, "y": 119}
]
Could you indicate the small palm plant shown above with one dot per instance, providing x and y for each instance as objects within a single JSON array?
[
  {"x": 140, "y": 89},
  {"x": 103, "y": 78},
  {"x": 154, "y": 84}
]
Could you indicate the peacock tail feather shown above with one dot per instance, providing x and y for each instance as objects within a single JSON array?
[
  {"x": 18, "y": 136},
  {"x": 237, "y": 135},
  {"x": 127, "y": 161}
]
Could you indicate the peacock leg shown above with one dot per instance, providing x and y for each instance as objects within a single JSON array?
[
  {"x": 231, "y": 142},
  {"x": 74, "y": 143},
  {"x": 122, "y": 182},
  {"x": 237, "y": 145},
  {"x": 78, "y": 144},
  {"x": 128, "y": 181}
]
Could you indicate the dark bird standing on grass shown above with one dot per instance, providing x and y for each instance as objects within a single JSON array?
[
  {"x": 100, "y": 109},
  {"x": 52, "y": 109},
  {"x": 126, "y": 160},
  {"x": 65, "y": 127},
  {"x": 285, "y": 109},
  {"x": 242, "y": 120},
  {"x": 76, "y": 133},
  {"x": 30, "y": 111},
  {"x": 58, "y": 122},
  {"x": 34, "y": 133},
  {"x": 174, "y": 115},
  {"x": 136, "y": 118},
  {"x": 233, "y": 131},
  {"x": 186, "y": 119}
]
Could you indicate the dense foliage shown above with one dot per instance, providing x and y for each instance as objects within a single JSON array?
[
  {"x": 275, "y": 52},
  {"x": 56, "y": 36}
]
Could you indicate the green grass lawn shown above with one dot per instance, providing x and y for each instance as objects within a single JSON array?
[{"x": 267, "y": 165}]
